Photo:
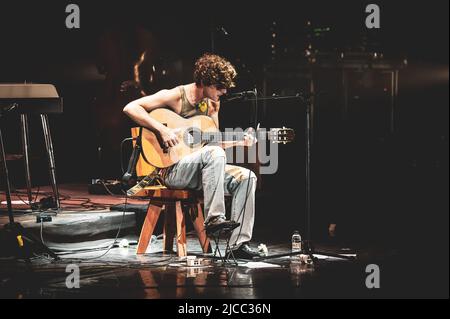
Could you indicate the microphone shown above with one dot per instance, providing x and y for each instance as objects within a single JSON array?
[{"x": 238, "y": 95}]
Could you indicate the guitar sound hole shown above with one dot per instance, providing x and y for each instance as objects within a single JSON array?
[{"x": 193, "y": 137}]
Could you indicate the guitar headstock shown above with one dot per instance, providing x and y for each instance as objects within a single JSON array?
[{"x": 281, "y": 135}]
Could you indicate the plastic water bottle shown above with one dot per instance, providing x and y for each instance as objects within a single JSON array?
[{"x": 296, "y": 245}]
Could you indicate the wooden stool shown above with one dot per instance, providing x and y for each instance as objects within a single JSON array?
[{"x": 174, "y": 222}]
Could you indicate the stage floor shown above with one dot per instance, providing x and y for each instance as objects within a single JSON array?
[{"x": 85, "y": 228}]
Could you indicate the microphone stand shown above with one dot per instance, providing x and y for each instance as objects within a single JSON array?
[
  {"x": 17, "y": 229},
  {"x": 306, "y": 100}
]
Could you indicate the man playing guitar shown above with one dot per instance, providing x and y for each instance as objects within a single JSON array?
[{"x": 206, "y": 169}]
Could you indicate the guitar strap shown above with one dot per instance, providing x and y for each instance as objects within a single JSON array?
[{"x": 146, "y": 181}]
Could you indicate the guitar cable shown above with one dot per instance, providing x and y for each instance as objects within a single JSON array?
[
  {"x": 121, "y": 151},
  {"x": 107, "y": 250}
]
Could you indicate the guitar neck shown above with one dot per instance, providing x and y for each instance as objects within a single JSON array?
[{"x": 223, "y": 136}]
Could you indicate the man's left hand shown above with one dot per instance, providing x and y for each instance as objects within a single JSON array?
[{"x": 250, "y": 138}]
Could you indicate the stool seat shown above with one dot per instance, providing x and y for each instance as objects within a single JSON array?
[{"x": 163, "y": 192}]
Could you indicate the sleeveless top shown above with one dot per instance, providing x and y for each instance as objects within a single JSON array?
[{"x": 189, "y": 110}]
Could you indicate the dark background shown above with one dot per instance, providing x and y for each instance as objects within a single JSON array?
[{"x": 379, "y": 186}]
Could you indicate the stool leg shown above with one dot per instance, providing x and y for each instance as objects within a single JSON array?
[
  {"x": 181, "y": 230},
  {"x": 149, "y": 281},
  {"x": 153, "y": 212},
  {"x": 169, "y": 227},
  {"x": 199, "y": 226}
]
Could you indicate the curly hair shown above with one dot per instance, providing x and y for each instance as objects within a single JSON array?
[{"x": 211, "y": 69}]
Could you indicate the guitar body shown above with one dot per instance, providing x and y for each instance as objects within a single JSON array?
[{"x": 187, "y": 131}]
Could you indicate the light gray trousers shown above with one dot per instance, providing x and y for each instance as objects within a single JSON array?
[{"x": 207, "y": 170}]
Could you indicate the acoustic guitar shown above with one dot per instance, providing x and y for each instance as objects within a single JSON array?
[{"x": 193, "y": 134}]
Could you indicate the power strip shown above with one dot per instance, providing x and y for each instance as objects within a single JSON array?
[{"x": 43, "y": 219}]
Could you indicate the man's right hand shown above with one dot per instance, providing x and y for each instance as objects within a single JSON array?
[{"x": 168, "y": 137}]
